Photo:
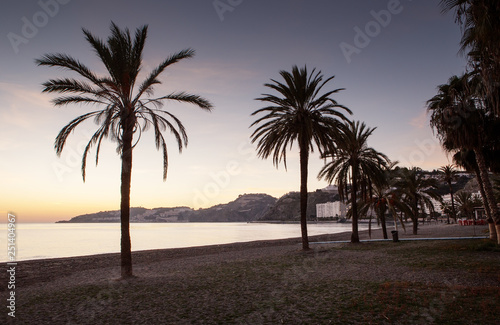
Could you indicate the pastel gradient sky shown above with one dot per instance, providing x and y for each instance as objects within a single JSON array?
[{"x": 240, "y": 45}]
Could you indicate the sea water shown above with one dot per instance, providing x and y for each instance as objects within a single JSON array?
[{"x": 52, "y": 240}]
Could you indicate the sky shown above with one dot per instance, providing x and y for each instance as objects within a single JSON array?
[{"x": 389, "y": 55}]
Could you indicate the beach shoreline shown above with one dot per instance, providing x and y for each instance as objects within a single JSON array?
[{"x": 46, "y": 270}]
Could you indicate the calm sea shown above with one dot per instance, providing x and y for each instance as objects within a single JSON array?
[{"x": 49, "y": 240}]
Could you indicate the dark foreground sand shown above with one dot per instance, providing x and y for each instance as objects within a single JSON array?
[{"x": 61, "y": 272}]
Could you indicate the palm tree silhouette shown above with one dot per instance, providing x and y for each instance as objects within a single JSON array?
[
  {"x": 480, "y": 24},
  {"x": 383, "y": 198},
  {"x": 466, "y": 202},
  {"x": 448, "y": 175},
  {"x": 417, "y": 193},
  {"x": 125, "y": 110},
  {"x": 299, "y": 113},
  {"x": 461, "y": 121},
  {"x": 354, "y": 162},
  {"x": 466, "y": 159}
]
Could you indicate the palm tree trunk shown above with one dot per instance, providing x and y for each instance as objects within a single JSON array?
[
  {"x": 453, "y": 213},
  {"x": 381, "y": 217},
  {"x": 483, "y": 194},
  {"x": 354, "y": 206},
  {"x": 304, "y": 157},
  {"x": 489, "y": 218},
  {"x": 126, "y": 176},
  {"x": 415, "y": 217},
  {"x": 488, "y": 190}
]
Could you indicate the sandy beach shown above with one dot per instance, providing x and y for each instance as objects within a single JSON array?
[{"x": 39, "y": 278}]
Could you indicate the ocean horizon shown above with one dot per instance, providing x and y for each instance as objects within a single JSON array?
[{"x": 57, "y": 240}]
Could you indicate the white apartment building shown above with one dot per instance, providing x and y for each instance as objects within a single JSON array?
[{"x": 331, "y": 209}]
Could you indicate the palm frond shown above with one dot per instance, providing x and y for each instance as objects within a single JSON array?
[
  {"x": 68, "y": 129},
  {"x": 121, "y": 55}
]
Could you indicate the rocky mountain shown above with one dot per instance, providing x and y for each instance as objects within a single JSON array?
[
  {"x": 136, "y": 215},
  {"x": 287, "y": 208},
  {"x": 248, "y": 207}
]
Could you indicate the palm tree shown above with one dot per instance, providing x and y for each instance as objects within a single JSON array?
[
  {"x": 299, "y": 113},
  {"x": 383, "y": 198},
  {"x": 480, "y": 24},
  {"x": 352, "y": 162},
  {"x": 125, "y": 110},
  {"x": 459, "y": 117},
  {"x": 418, "y": 193},
  {"x": 466, "y": 203},
  {"x": 467, "y": 160},
  {"x": 446, "y": 209},
  {"x": 448, "y": 174}
]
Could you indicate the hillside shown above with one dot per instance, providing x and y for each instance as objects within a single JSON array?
[
  {"x": 287, "y": 208},
  {"x": 245, "y": 208},
  {"x": 248, "y": 207},
  {"x": 136, "y": 215}
]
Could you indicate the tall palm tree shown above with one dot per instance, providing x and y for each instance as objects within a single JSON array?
[
  {"x": 125, "y": 110},
  {"x": 418, "y": 192},
  {"x": 480, "y": 24},
  {"x": 446, "y": 209},
  {"x": 298, "y": 113},
  {"x": 467, "y": 160},
  {"x": 459, "y": 117},
  {"x": 354, "y": 162},
  {"x": 448, "y": 174},
  {"x": 383, "y": 198}
]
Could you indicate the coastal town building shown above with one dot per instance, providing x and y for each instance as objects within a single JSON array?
[{"x": 331, "y": 210}]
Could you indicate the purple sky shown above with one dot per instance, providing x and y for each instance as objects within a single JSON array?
[{"x": 407, "y": 48}]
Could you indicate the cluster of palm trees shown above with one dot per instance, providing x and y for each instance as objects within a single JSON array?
[
  {"x": 300, "y": 113},
  {"x": 466, "y": 110},
  {"x": 464, "y": 113}
]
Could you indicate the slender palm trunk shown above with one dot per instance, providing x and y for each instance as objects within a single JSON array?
[
  {"x": 488, "y": 190},
  {"x": 483, "y": 195},
  {"x": 126, "y": 177},
  {"x": 415, "y": 217},
  {"x": 304, "y": 157},
  {"x": 489, "y": 218},
  {"x": 453, "y": 213},
  {"x": 381, "y": 216},
  {"x": 354, "y": 206}
]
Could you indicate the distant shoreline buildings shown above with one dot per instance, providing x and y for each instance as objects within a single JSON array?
[{"x": 335, "y": 209}]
